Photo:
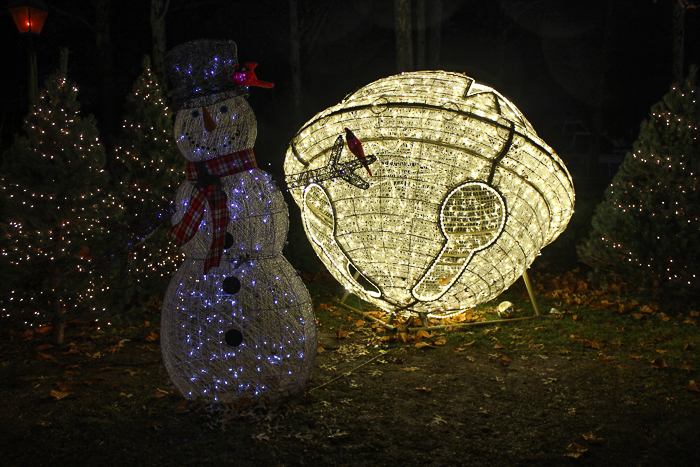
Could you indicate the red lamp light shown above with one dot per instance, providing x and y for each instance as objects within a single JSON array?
[{"x": 29, "y": 16}]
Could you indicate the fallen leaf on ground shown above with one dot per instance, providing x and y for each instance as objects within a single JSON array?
[
  {"x": 688, "y": 346},
  {"x": 498, "y": 346},
  {"x": 422, "y": 345},
  {"x": 662, "y": 351},
  {"x": 575, "y": 451},
  {"x": 470, "y": 358},
  {"x": 359, "y": 323},
  {"x": 423, "y": 389},
  {"x": 440, "y": 341},
  {"x": 411, "y": 368},
  {"x": 691, "y": 386},
  {"x": 320, "y": 349},
  {"x": 65, "y": 386},
  {"x": 458, "y": 318},
  {"x": 593, "y": 439},
  {"x": 639, "y": 315},
  {"x": 659, "y": 363},
  {"x": 593, "y": 344},
  {"x": 152, "y": 337},
  {"x": 636, "y": 357},
  {"x": 341, "y": 334},
  {"x": 58, "y": 395},
  {"x": 694, "y": 313},
  {"x": 607, "y": 358},
  {"x": 505, "y": 361},
  {"x": 42, "y": 356},
  {"x": 688, "y": 368},
  {"x": 160, "y": 393},
  {"x": 690, "y": 321}
]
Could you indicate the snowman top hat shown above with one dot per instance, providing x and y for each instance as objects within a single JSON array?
[{"x": 205, "y": 71}]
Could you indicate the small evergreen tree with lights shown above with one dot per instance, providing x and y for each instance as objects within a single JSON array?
[
  {"x": 55, "y": 212},
  {"x": 647, "y": 229},
  {"x": 146, "y": 175}
]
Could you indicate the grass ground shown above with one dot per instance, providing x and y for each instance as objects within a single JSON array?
[{"x": 609, "y": 380}]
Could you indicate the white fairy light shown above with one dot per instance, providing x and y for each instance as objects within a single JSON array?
[{"x": 463, "y": 196}]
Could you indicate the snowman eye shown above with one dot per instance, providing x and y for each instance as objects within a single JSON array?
[
  {"x": 195, "y": 113},
  {"x": 223, "y": 109}
]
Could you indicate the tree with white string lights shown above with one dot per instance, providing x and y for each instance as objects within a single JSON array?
[
  {"x": 147, "y": 171},
  {"x": 56, "y": 211},
  {"x": 646, "y": 231}
]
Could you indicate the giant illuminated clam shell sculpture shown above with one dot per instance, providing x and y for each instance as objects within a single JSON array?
[{"x": 463, "y": 193}]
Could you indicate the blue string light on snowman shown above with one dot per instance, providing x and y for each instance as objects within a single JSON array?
[{"x": 237, "y": 320}]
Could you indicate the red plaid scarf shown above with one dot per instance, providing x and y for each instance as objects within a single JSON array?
[{"x": 208, "y": 175}]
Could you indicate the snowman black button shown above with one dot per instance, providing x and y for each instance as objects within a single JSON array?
[
  {"x": 231, "y": 285},
  {"x": 228, "y": 241},
  {"x": 233, "y": 337}
]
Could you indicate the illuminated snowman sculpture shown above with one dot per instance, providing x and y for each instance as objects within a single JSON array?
[
  {"x": 237, "y": 320},
  {"x": 462, "y": 195}
]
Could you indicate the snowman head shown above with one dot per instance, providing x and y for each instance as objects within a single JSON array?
[
  {"x": 209, "y": 89},
  {"x": 209, "y": 130}
]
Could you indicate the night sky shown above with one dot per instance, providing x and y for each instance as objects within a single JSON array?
[{"x": 544, "y": 55}]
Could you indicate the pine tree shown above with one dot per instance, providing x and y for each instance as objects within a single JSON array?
[
  {"x": 647, "y": 229},
  {"x": 55, "y": 209},
  {"x": 148, "y": 169}
]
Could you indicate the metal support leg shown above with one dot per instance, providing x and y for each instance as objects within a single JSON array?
[
  {"x": 530, "y": 292},
  {"x": 423, "y": 319}
]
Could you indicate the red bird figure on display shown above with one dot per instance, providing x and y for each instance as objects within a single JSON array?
[{"x": 355, "y": 147}]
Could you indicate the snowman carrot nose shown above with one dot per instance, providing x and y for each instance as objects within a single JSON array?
[{"x": 209, "y": 123}]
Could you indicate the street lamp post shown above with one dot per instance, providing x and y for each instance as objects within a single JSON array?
[{"x": 29, "y": 17}]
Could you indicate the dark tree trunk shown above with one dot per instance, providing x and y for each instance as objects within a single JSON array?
[
  {"x": 435, "y": 34},
  {"x": 678, "y": 39},
  {"x": 108, "y": 111},
  {"x": 295, "y": 60},
  {"x": 58, "y": 332},
  {"x": 599, "y": 95},
  {"x": 420, "y": 34},
  {"x": 404, "y": 44},
  {"x": 159, "y": 8}
]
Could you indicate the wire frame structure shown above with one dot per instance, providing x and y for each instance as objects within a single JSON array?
[
  {"x": 463, "y": 196},
  {"x": 258, "y": 212},
  {"x": 245, "y": 328}
]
